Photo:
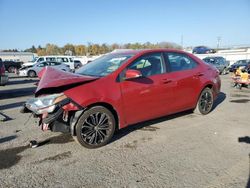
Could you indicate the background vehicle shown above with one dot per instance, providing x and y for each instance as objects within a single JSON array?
[
  {"x": 77, "y": 64},
  {"x": 202, "y": 50},
  {"x": 241, "y": 63},
  {"x": 33, "y": 71},
  {"x": 3, "y": 76},
  {"x": 219, "y": 62},
  {"x": 62, "y": 59},
  {"x": 12, "y": 66},
  {"x": 121, "y": 89}
]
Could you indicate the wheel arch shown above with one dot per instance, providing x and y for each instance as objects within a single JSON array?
[
  {"x": 209, "y": 85},
  {"x": 109, "y": 107},
  {"x": 104, "y": 104}
]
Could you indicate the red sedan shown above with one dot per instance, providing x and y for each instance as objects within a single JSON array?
[{"x": 121, "y": 89}]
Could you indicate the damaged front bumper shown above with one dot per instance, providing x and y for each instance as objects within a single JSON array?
[{"x": 57, "y": 116}]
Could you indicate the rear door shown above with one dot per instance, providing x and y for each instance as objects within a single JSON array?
[
  {"x": 149, "y": 96},
  {"x": 185, "y": 74}
]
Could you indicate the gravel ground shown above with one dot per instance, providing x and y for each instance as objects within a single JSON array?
[{"x": 182, "y": 150}]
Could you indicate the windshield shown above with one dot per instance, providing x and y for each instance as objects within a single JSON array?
[{"x": 104, "y": 65}]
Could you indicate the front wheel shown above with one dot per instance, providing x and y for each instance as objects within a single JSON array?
[
  {"x": 31, "y": 73},
  {"x": 95, "y": 127},
  {"x": 205, "y": 102},
  {"x": 11, "y": 69}
]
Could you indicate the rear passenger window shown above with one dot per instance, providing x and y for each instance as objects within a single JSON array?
[
  {"x": 180, "y": 62},
  {"x": 42, "y": 64},
  {"x": 62, "y": 59},
  {"x": 54, "y": 63},
  {"x": 50, "y": 59}
]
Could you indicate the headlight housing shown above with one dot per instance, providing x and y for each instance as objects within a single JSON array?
[{"x": 44, "y": 104}]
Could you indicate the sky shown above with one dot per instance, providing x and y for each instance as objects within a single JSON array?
[{"x": 24, "y": 23}]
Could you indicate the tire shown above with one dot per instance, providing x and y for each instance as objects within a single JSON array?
[
  {"x": 95, "y": 127},
  {"x": 239, "y": 86},
  {"x": 205, "y": 102},
  {"x": 224, "y": 71},
  {"x": 11, "y": 69},
  {"x": 31, "y": 74}
]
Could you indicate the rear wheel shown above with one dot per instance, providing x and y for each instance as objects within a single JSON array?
[
  {"x": 11, "y": 69},
  {"x": 205, "y": 102},
  {"x": 224, "y": 71},
  {"x": 95, "y": 127},
  {"x": 31, "y": 73}
]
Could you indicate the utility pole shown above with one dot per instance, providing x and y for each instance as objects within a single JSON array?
[{"x": 218, "y": 42}]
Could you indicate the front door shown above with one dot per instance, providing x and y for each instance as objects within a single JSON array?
[{"x": 149, "y": 96}]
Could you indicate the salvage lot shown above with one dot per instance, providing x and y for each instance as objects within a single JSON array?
[{"x": 182, "y": 150}]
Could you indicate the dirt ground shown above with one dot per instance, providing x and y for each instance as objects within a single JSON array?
[{"x": 182, "y": 150}]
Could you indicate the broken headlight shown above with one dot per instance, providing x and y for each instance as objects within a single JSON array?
[{"x": 44, "y": 104}]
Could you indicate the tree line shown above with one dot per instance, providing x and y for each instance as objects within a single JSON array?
[{"x": 95, "y": 49}]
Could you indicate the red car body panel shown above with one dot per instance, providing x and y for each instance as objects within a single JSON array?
[
  {"x": 51, "y": 78},
  {"x": 141, "y": 99}
]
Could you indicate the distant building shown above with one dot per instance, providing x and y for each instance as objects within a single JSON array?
[{"x": 18, "y": 56}]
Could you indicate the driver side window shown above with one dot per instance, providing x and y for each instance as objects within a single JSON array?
[{"x": 148, "y": 65}]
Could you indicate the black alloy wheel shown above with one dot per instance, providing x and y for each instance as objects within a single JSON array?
[
  {"x": 205, "y": 102},
  {"x": 95, "y": 127}
]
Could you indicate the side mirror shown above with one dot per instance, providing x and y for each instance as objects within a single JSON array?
[{"x": 131, "y": 74}]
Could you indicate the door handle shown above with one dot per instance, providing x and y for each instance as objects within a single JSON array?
[
  {"x": 166, "y": 81},
  {"x": 199, "y": 74}
]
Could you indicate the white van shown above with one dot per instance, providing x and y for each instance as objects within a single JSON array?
[{"x": 69, "y": 60}]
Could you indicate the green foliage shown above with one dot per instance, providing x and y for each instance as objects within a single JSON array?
[
  {"x": 95, "y": 49},
  {"x": 52, "y": 49}
]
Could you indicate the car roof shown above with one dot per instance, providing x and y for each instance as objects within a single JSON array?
[
  {"x": 201, "y": 47},
  {"x": 49, "y": 62},
  {"x": 142, "y": 51}
]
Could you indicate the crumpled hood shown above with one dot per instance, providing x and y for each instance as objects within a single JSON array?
[{"x": 55, "y": 81}]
